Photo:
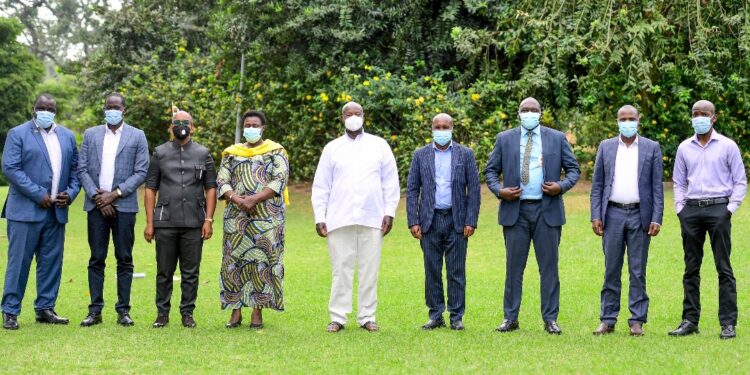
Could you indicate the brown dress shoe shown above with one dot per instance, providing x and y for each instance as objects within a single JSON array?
[
  {"x": 604, "y": 329},
  {"x": 334, "y": 327},
  {"x": 370, "y": 326},
  {"x": 636, "y": 329},
  {"x": 161, "y": 321},
  {"x": 188, "y": 321}
]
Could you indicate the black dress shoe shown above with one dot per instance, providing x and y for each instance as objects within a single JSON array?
[
  {"x": 432, "y": 324},
  {"x": 728, "y": 332},
  {"x": 91, "y": 319},
  {"x": 188, "y": 321},
  {"x": 686, "y": 328},
  {"x": 10, "y": 321},
  {"x": 161, "y": 321},
  {"x": 552, "y": 328},
  {"x": 50, "y": 317},
  {"x": 508, "y": 326},
  {"x": 124, "y": 320},
  {"x": 457, "y": 325}
]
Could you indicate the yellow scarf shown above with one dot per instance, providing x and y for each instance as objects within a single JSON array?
[{"x": 243, "y": 151}]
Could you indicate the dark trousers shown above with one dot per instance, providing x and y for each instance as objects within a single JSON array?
[
  {"x": 623, "y": 229},
  {"x": 43, "y": 240},
  {"x": 172, "y": 245},
  {"x": 531, "y": 227},
  {"x": 442, "y": 241},
  {"x": 122, "y": 228},
  {"x": 695, "y": 222}
]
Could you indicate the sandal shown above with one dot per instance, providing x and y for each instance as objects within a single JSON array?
[
  {"x": 370, "y": 326},
  {"x": 334, "y": 327}
]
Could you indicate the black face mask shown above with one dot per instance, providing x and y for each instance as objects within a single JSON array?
[{"x": 181, "y": 132}]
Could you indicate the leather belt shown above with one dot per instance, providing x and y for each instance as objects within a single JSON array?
[
  {"x": 624, "y": 206},
  {"x": 442, "y": 211},
  {"x": 529, "y": 201},
  {"x": 707, "y": 201}
]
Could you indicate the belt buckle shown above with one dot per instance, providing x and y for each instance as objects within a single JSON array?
[{"x": 705, "y": 202}]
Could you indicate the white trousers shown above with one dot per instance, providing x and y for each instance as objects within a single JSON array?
[{"x": 349, "y": 247}]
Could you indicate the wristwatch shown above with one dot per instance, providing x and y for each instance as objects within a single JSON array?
[{"x": 119, "y": 192}]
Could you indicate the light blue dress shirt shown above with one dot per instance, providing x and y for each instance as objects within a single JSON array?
[
  {"x": 532, "y": 190},
  {"x": 443, "y": 177}
]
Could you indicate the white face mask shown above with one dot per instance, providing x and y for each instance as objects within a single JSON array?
[{"x": 354, "y": 123}]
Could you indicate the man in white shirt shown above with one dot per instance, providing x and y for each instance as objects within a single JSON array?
[
  {"x": 354, "y": 196},
  {"x": 627, "y": 202}
]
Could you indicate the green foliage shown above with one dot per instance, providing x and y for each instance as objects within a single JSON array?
[{"x": 19, "y": 73}]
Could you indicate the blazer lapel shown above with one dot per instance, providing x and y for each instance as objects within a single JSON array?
[
  {"x": 99, "y": 142},
  {"x": 431, "y": 166},
  {"x": 36, "y": 132},
  {"x": 546, "y": 149},
  {"x": 611, "y": 159},
  {"x": 123, "y": 138},
  {"x": 454, "y": 160},
  {"x": 515, "y": 157},
  {"x": 641, "y": 157}
]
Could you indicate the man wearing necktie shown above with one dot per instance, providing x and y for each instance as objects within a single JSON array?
[{"x": 530, "y": 159}]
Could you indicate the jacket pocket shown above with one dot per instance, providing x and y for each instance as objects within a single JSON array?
[
  {"x": 201, "y": 209},
  {"x": 200, "y": 171},
  {"x": 161, "y": 211}
]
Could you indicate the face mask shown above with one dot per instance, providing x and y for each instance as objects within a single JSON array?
[
  {"x": 702, "y": 124},
  {"x": 354, "y": 123},
  {"x": 442, "y": 137},
  {"x": 113, "y": 116},
  {"x": 252, "y": 135},
  {"x": 44, "y": 118},
  {"x": 181, "y": 132},
  {"x": 530, "y": 120},
  {"x": 628, "y": 128}
]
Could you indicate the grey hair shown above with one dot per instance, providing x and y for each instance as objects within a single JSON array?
[{"x": 346, "y": 106}]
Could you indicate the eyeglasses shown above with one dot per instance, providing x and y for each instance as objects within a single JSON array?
[{"x": 181, "y": 122}]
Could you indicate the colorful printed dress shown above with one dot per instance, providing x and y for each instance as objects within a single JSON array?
[{"x": 252, "y": 266}]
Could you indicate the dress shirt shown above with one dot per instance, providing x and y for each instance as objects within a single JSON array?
[
  {"x": 109, "y": 152},
  {"x": 532, "y": 190},
  {"x": 443, "y": 177},
  {"x": 356, "y": 183},
  {"x": 711, "y": 171},
  {"x": 55, "y": 155},
  {"x": 625, "y": 180}
]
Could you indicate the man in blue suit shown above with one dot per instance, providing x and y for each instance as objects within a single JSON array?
[
  {"x": 39, "y": 162},
  {"x": 442, "y": 205},
  {"x": 627, "y": 203},
  {"x": 113, "y": 164},
  {"x": 531, "y": 158}
]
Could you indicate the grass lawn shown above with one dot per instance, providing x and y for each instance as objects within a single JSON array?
[{"x": 296, "y": 342}]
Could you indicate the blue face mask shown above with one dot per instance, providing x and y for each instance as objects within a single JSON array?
[
  {"x": 701, "y": 124},
  {"x": 530, "y": 120},
  {"x": 252, "y": 135},
  {"x": 442, "y": 137},
  {"x": 113, "y": 116},
  {"x": 45, "y": 119},
  {"x": 628, "y": 128}
]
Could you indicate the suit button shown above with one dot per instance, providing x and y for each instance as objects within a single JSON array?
[
  {"x": 182, "y": 161},
  {"x": 183, "y": 172},
  {"x": 184, "y": 200},
  {"x": 183, "y": 185}
]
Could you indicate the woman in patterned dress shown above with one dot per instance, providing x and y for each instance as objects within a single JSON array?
[{"x": 252, "y": 179}]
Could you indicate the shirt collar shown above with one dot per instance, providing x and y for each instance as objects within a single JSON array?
[
  {"x": 52, "y": 128},
  {"x": 450, "y": 146},
  {"x": 635, "y": 142},
  {"x": 359, "y": 137},
  {"x": 714, "y": 137},
  {"x": 118, "y": 131},
  {"x": 536, "y": 131}
]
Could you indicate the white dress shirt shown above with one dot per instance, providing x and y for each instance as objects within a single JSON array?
[
  {"x": 356, "y": 183},
  {"x": 109, "y": 152},
  {"x": 55, "y": 155},
  {"x": 625, "y": 181}
]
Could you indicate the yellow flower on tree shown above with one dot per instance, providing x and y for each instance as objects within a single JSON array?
[
  {"x": 366, "y": 83},
  {"x": 475, "y": 97}
]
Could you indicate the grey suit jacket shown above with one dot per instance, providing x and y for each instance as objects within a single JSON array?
[
  {"x": 131, "y": 165},
  {"x": 650, "y": 172},
  {"x": 506, "y": 160},
  {"x": 465, "y": 188}
]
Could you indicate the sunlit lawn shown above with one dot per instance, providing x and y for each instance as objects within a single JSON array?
[{"x": 295, "y": 341}]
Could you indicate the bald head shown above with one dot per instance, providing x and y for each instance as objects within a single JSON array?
[
  {"x": 529, "y": 105},
  {"x": 628, "y": 113},
  {"x": 182, "y": 115},
  {"x": 442, "y": 121},
  {"x": 354, "y": 106},
  {"x": 704, "y": 108}
]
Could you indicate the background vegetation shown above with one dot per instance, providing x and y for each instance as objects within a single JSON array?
[{"x": 404, "y": 60}]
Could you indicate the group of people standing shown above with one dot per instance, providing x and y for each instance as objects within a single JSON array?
[
  {"x": 355, "y": 195},
  {"x": 46, "y": 171}
]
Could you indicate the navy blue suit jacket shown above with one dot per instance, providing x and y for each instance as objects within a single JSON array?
[
  {"x": 506, "y": 160},
  {"x": 465, "y": 188},
  {"x": 27, "y": 167},
  {"x": 650, "y": 172}
]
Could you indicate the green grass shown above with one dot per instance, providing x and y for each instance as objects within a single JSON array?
[{"x": 295, "y": 341}]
